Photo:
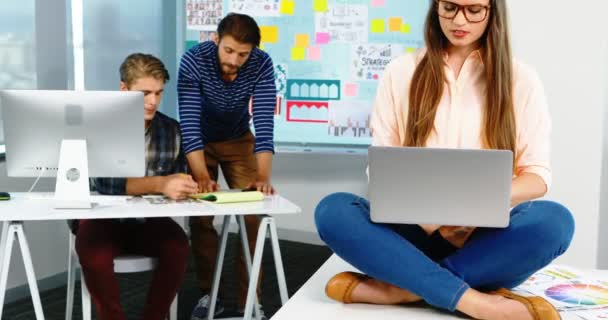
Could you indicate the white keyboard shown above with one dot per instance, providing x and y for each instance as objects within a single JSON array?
[{"x": 94, "y": 198}]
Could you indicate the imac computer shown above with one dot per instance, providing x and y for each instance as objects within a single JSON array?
[{"x": 73, "y": 135}]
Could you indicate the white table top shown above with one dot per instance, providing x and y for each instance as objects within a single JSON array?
[
  {"x": 311, "y": 302},
  {"x": 39, "y": 206}
]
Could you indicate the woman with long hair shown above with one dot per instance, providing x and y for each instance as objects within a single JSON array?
[{"x": 464, "y": 90}]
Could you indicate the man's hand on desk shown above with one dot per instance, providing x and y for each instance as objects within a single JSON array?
[
  {"x": 262, "y": 186},
  {"x": 179, "y": 186},
  {"x": 206, "y": 184}
]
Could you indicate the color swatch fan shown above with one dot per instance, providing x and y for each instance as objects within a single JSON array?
[{"x": 579, "y": 294}]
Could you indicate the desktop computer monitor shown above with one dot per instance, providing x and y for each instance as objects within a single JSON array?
[{"x": 73, "y": 135}]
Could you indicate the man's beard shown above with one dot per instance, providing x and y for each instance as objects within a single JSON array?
[{"x": 228, "y": 69}]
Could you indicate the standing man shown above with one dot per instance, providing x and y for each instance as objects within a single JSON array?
[
  {"x": 99, "y": 241},
  {"x": 215, "y": 84}
]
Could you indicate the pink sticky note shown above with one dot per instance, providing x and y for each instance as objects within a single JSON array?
[
  {"x": 314, "y": 53},
  {"x": 351, "y": 89},
  {"x": 377, "y": 3},
  {"x": 322, "y": 38}
]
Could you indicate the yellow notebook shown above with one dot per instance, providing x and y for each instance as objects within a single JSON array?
[{"x": 228, "y": 197}]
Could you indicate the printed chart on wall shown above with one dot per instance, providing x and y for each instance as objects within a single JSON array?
[{"x": 328, "y": 54}]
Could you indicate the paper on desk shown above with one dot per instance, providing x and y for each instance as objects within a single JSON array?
[
  {"x": 567, "y": 289},
  {"x": 230, "y": 196},
  {"x": 600, "y": 314}
]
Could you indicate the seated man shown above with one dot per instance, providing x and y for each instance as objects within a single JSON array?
[{"x": 98, "y": 242}]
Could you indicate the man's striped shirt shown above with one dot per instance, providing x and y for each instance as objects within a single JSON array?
[{"x": 212, "y": 109}]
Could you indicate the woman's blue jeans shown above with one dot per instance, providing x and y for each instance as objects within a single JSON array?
[{"x": 429, "y": 266}]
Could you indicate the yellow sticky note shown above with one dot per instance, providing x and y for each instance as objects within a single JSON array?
[
  {"x": 319, "y": 5},
  {"x": 410, "y": 50},
  {"x": 406, "y": 28},
  {"x": 288, "y": 7},
  {"x": 270, "y": 34},
  {"x": 377, "y": 25},
  {"x": 302, "y": 40},
  {"x": 395, "y": 24},
  {"x": 298, "y": 54},
  {"x": 262, "y": 46}
]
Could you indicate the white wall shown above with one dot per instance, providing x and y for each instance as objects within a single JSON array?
[
  {"x": 568, "y": 50},
  {"x": 603, "y": 225},
  {"x": 306, "y": 178}
]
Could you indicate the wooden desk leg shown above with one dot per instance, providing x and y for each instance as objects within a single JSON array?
[
  {"x": 219, "y": 262},
  {"x": 16, "y": 229},
  {"x": 245, "y": 243}
]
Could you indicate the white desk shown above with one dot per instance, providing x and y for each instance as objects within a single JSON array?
[
  {"x": 310, "y": 301},
  {"x": 39, "y": 206}
]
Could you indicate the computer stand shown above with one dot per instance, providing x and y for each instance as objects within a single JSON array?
[{"x": 72, "y": 188}]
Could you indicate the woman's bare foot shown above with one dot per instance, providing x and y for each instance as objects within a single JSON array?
[
  {"x": 492, "y": 307},
  {"x": 379, "y": 292}
]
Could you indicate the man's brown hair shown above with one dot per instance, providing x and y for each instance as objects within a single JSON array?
[{"x": 141, "y": 65}]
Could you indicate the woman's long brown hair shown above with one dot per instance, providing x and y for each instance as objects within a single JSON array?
[{"x": 428, "y": 82}]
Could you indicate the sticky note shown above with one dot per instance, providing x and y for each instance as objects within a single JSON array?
[
  {"x": 351, "y": 89},
  {"x": 262, "y": 46},
  {"x": 410, "y": 50},
  {"x": 378, "y": 3},
  {"x": 322, "y": 38},
  {"x": 377, "y": 25},
  {"x": 406, "y": 28},
  {"x": 314, "y": 53},
  {"x": 298, "y": 54},
  {"x": 302, "y": 40},
  {"x": 319, "y": 6},
  {"x": 287, "y": 7},
  {"x": 270, "y": 34},
  {"x": 395, "y": 24}
]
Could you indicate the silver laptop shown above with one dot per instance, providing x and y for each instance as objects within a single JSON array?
[{"x": 440, "y": 186}]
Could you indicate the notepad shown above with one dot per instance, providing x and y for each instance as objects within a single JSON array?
[{"x": 229, "y": 197}]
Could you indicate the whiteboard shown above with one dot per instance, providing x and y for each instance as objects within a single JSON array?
[{"x": 328, "y": 56}]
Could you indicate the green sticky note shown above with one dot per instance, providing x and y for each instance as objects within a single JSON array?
[
  {"x": 298, "y": 54},
  {"x": 319, "y": 6},
  {"x": 377, "y": 26},
  {"x": 406, "y": 28}
]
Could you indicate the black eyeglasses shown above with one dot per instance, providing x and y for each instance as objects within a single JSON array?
[{"x": 473, "y": 13}]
